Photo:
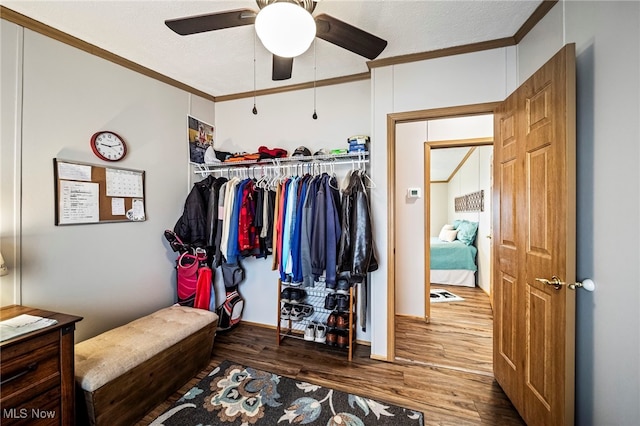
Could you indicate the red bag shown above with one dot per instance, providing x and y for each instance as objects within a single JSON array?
[
  {"x": 203, "y": 288},
  {"x": 188, "y": 266}
]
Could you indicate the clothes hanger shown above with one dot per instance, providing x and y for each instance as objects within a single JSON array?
[{"x": 372, "y": 184}]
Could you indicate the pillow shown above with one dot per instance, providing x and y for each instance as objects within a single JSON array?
[
  {"x": 448, "y": 234},
  {"x": 448, "y": 227},
  {"x": 467, "y": 231},
  {"x": 456, "y": 223}
]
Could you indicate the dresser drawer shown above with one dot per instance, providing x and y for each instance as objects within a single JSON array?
[
  {"x": 42, "y": 410},
  {"x": 36, "y": 370},
  {"x": 29, "y": 368}
]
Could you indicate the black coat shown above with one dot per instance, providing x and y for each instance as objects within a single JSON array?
[
  {"x": 191, "y": 227},
  {"x": 356, "y": 250}
]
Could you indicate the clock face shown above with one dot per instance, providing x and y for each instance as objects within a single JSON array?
[{"x": 108, "y": 146}]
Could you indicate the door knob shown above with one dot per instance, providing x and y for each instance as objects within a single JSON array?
[
  {"x": 554, "y": 281},
  {"x": 586, "y": 284}
]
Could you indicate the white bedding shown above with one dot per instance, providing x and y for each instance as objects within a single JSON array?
[{"x": 462, "y": 277}]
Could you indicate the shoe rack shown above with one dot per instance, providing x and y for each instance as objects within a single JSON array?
[{"x": 288, "y": 327}]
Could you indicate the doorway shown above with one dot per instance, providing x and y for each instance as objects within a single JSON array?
[
  {"x": 457, "y": 333},
  {"x": 458, "y": 188},
  {"x": 392, "y": 121}
]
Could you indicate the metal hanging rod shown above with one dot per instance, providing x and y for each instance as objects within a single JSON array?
[{"x": 354, "y": 159}]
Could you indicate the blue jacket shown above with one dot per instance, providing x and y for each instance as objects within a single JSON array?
[
  {"x": 318, "y": 234},
  {"x": 333, "y": 228}
]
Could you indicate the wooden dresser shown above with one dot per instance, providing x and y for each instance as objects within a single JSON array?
[{"x": 37, "y": 371}]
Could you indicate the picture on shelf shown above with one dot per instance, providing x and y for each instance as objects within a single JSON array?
[{"x": 200, "y": 137}]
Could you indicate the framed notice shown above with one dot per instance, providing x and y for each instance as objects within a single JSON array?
[{"x": 90, "y": 193}]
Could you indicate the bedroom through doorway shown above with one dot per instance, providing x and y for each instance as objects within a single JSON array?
[{"x": 455, "y": 208}]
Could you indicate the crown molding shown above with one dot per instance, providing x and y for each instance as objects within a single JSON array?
[
  {"x": 439, "y": 53},
  {"x": 37, "y": 26},
  {"x": 292, "y": 87}
]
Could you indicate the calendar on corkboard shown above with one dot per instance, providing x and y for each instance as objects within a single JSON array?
[{"x": 91, "y": 193}]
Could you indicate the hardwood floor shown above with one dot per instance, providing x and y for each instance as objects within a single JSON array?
[
  {"x": 459, "y": 334},
  {"x": 448, "y": 393}
]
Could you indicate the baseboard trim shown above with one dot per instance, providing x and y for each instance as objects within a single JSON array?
[
  {"x": 259, "y": 324},
  {"x": 379, "y": 358},
  {"x": 416, "y": 317}
]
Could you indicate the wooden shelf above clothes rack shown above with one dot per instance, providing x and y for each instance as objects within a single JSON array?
[{"x": 351, "y": 158}]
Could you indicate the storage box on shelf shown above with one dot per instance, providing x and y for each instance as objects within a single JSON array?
[{"x": 317, "y": 314}]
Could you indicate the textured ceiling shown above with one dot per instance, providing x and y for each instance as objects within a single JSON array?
[{"x": 221, "y": 62}]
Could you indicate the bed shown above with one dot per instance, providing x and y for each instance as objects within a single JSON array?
[{"x": 453, "y": 256}]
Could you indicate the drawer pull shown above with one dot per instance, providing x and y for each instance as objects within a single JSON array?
[{"x": 31, "y": 367}]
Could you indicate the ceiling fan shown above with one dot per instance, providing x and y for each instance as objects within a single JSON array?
[{"x": 326, "y": 27}]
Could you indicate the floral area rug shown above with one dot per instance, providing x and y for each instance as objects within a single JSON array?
[{"x": 235, "y": 395}]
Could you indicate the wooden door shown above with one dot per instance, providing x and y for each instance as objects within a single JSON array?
[{"x": 534, "y": 240}]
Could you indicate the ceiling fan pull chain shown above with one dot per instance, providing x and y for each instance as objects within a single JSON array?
[
  {"x": 254, "y": 110},
  {"x": 315, "y": 115}
]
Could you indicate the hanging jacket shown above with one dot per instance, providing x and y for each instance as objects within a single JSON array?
[
  {"x": 191, "y": 227},
  {"x": 296, "y": 247},
  {"x": 318, "y": 234},
  {"x": 306, "y": 230},
  {"x": 333, "y": 228},
  {"x": 233, "y": 248},
  {"x": 276, "y": 229},
  {"x": 220, "y": 227},
  {"x": 247, "y": 236},
  {"x": 356, "y": 251},
  {"x": 212, "y": 211}
]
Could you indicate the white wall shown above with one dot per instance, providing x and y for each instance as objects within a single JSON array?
[
  {"x": 10, "y": 134},
  {"x": 438, "y": 209},
  {"x": 472, "y": 127},
  {"x": 484, "y": 218},
  {"x": 450, "y": 81},
  {"x": 108, "y": 273},
  {"x": 410, "y": 280},
  {"x": 607, "y": 38},
  {"x": 285, "y": 121}
]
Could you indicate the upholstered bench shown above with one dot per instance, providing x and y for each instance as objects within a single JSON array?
[{"x": 125, "y": 372}]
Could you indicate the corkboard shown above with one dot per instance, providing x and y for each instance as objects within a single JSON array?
[{"x": 90, "y": 193}]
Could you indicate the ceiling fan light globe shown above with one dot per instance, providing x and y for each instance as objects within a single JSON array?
[{"x": 285, "y": 29}]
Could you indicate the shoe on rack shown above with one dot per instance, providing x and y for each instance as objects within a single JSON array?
[
  {"x": 342, "y": 340},
  {"x": 285, "y": 295},
  {"x": 331, "y": 338},
  {"x": 310, "y": 332},
  {"x": 332, "y": 320},
  {"x": 342, "y": 322},
  {"x": 343, "y": 286},
  {"x": 297, "y": 295},
  {"x": 285, "y": 311},
  {"x": 342, "y": 302},
  {"x": 297, "y": 313},
  {"x": 330, "y": 302},
  {"x": 307, "y": 310},
  {"x": 321, "y": 333}
]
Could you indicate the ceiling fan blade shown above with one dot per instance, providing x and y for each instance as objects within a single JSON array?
[
  {"x": 281, "y": 68},
  {"x": 349, "y": 37},
  {"x": 211, "y": 21}
]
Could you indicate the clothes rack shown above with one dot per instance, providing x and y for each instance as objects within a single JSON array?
[{"x": 303, "y": 163}]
